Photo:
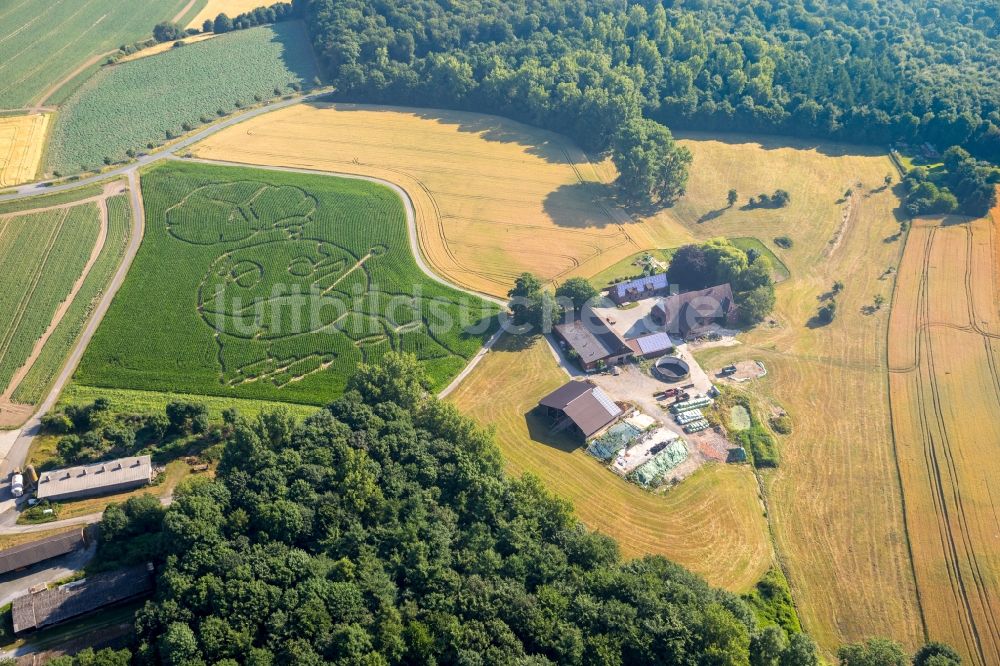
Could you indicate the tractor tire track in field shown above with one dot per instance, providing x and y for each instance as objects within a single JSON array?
[
  {"x": 102, "y": 237},
  {"x": 970, "y": 587},
  {"x": 36, "y": 276}
]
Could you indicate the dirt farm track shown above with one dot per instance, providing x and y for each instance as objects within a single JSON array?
[{"x": 944, "y": 381}]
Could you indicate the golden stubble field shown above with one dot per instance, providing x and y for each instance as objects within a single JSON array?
[
  {"x": 493, "y": 197},
  {"x": 22, "y": 141},
  {"x": 944, "y": 364},
  {"x": 713, "y": 523},
  {"x": 835, "y": 502}
]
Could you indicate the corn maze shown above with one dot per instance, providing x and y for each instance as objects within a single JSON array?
[{"x": 274, "y": 286}]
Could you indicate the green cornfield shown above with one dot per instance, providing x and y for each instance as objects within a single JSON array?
[
  {"x": 127, "y": 106},
  {"x": 42, "y": 255},
  {"x": 274, "y": 286},
  {"x": 36, "y": 382},
  {"x": 43, "y": 42}
]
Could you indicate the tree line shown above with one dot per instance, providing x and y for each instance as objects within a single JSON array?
[{"x": 920, "y": 71}]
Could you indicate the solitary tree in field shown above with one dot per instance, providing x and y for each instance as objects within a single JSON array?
[
  {"x": 780, "y": 198},
  {"x": 879, "y": 301},
  {"x": 732, "y": 197},
  {"x": 827, "y": 313},
  {"x": 526, "y": 293},
  {"x": 838, "y": 287},
  {"x": 651, "y": 166},
  {"x": 888, "y": 179},
  {"x": 936, "y": 654}
]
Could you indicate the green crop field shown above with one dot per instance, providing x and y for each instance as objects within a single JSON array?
[
  {"x": 273, "y": 286},
  {"x": 42, "y": 255},
  {"x": 133, "y": 104},
  {"x": 42, "y": 43},
  {"x": 38, "y": 379}
]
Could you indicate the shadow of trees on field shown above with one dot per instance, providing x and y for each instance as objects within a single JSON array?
[{"x": 712, "y": 215}]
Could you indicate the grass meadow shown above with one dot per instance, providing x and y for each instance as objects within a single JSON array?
[
  {"x": 835, "y": 502},
  {"x": 273, "y": 286},
  {"x": 131, "y": 401},
  {"x": 712, "y": 523},
  {"x": 42, "y": 43},
  {"x": 133, "y": 104}
]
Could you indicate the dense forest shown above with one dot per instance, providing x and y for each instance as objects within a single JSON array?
[
  {"x": 861, "y": 71},
  {"x": 384, "y": 530}
]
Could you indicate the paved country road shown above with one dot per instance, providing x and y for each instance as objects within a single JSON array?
[
  {"x": 14, "y": 458},
  {"x": 35, "y": 189}
]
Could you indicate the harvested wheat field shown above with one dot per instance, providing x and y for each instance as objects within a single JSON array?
[
  {"x": 944, "y": 362},
  {"x": 231, "y": 8},
  {"x": 712, "y": 523},
  {"x": 493, "y": 197},
  {"x": 22, "y": 141},
  {"x": 835, "y": 502}
]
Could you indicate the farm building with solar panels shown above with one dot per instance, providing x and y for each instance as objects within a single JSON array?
[{"x": 647, "y": 286}]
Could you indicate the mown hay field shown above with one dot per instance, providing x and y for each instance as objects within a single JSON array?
[
  {"x": 944, "y": 364},
  {"x": 713, "y": 523},
  {"x": 146, "y": 101},
  {"x": 273, "y": 286},
  {"x": 835, "y": 502},
  {"x": 231, "y": 8},
  {"x": 22, "y": 141},
  {"x": 43, "y": 253},
  {"x": 43, "y": 43},
  {"x": 493, "y": 197}
]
